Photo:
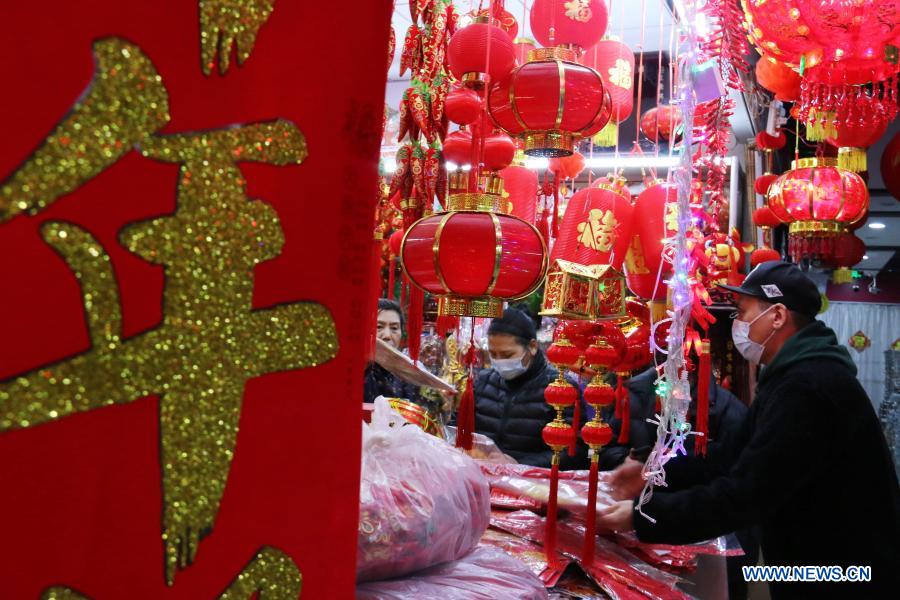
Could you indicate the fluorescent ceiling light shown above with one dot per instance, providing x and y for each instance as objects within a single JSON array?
[
  {"x": 877, "y": 225},
  {"x": 611, "y": 162}
]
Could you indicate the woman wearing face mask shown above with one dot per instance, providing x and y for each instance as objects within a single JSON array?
[
  {"x": 813, "y": 469},
  {"x": 509, "y": 397}
]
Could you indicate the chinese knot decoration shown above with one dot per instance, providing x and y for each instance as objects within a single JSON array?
[{"x": 818, "y": 200}]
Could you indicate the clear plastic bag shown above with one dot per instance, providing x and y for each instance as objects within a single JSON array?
[
  {"x": 422, "y": 502},
  {"x": 487, "y": 573}
]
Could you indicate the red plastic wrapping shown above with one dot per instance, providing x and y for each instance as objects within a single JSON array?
[
  {"x": 422, "y": 502},
  {"x": 487, "y": 573},
  {"x": 529, "y": 553}
]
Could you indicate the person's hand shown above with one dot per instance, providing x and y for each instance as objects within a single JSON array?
[
  {"x": 617, "y": 518},
  {"x": 626, "y": 480}
]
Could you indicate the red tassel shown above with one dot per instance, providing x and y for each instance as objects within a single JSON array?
[
  {"x": 392, "y": 268},
  {"x": 576, "y": 417},
  {"x": 414, "y": 319},
  {"x": 445, "y": 325},
  {"x": 619, "y": 388},
  {"x": 625, "y": 432},
  {"x": 705, "y": 372},
  {"x": 550, "y": 533},
  {"x": 555, "y": 205},
  {"x": 590, "y": 532},
  {"x": 465, "y": 417}
]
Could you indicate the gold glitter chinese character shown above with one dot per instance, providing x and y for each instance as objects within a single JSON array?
[
  {"x": 578, "y": 10},
  {"x": 671, "y": 217},
  {"x": 227, "y": 24},
  {"x": 211, "y": 340},
  {"x": 598, "y": 231},
  {"x": 272, "y": 574},
  {"x": 634, "y": 259},
  {"x": 620, "y": 74}
]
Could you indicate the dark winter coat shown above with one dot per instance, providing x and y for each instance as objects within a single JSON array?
[
  {"x": 379, "y": 381},
  {"x": 513, "y": 414},
  {"x": 813, "y": 471},
  {"x": 726, "y": 417}
]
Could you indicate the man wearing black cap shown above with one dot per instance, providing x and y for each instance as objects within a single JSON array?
[
  {"x": 814, "y": 470},
  {"x": 509, "y": 397}
]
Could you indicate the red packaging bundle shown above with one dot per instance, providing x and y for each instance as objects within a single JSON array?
[
  {"x": 487, "y": 573},
  {"x": 422, "y": 502},
  {"x": 616, "y": 571},
  {"x": 529, "y": 553}
]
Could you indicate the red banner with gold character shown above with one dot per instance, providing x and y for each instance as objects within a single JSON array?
[{"x": 185, "y": 226}]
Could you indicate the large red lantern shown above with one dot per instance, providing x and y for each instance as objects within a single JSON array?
[
  {"x": 468, "y": 55},
  {"x": 597, "y": 226},
  {"x": 521, "y": 183},
  {"x": 818, "y": 199},
  {"x": 890, "y": 167},
  {"x": 615, "y": 63},
  {"x": 499, "y": 150},
  {"x": 578, "y": 23},
  {"x": 474, "y": 259},
  {"x": 655, "y": 220},
  {"x": 778, "y": 78},
  {"x": 457, "y": 147},
  {"x": 550, "y": 102},
  {"x": 462, "y": 105}
]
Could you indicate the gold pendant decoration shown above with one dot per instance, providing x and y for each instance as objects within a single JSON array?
[
  {"x": 859, "y": 341},
  {"x": 211, "y": 340},
  {"x": 227, "y": 24}
]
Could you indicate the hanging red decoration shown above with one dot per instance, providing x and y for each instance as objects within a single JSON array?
[
  {"x": 505, "y": 19},
  {"x": 615, "y": 63},
  {"x": 463, "y": 105},
  {"x": 521, "y": 184},
  {"x": 579, "y": 23},
  {"x": 458, "y": 147},
  {"x": 568, "y": 167},
  {"x": 499, "y": 150},
  {"x": 761, "y": 255},
  {"x": 468, "y": 53},
  {"x": 597, "y": 226},
  {"x": 764, "y": 217},
  {"x": 764, "y": 141},
  {"x": 890, "y": 167},
  {"x": 654, "y": 220},
  {"x": 762, "y": 183},
  {"x": 778, "y": 78},
  {"x": 848, "y": 250},
  {"x": 861, "y": 127},
  {"x": 550, "y": 102},
  {"x": 818, "y": 199},
  {"x": 474, "y": 257},
  {"x": 661, "y": 122}
]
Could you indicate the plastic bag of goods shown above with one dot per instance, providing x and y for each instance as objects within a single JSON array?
[
  {"x": 422, "y": 501},
  {"x": 487, "y": 573}
]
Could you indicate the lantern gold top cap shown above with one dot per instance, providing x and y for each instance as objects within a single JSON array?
[
  {"x": 554, "y": 53},
  {"x": 814, "y": 161},
  {"x": 486, "y": 19}
]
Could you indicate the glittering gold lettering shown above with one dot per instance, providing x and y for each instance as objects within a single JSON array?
[
  {"x": 210, "y": 341},
  {"x": 230, "y": 23},
  {"x": 272, "y": 574}
]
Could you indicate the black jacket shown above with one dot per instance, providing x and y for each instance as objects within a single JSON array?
[
  {"x": 513, "y": 414},
  {"x": 813, "y": 471},
  {"x": 726, "y": 417},
  {"x": 378, "y": 381}
]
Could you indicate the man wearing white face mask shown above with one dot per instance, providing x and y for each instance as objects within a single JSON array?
[
  {"x": 509, "y": 397},
  {"x": 813, "y": 469}
]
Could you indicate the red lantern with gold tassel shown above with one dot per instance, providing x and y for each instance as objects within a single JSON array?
[
  {"x": 654, "y": 220},
  {"x": 615, "y": 63}
]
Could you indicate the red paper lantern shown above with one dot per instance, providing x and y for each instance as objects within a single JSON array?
[
  {"x": 550, "y": 102},
  {"x": 654, "y": 220},
  {"x": 761, "y": 255},
  {"x": 499, "y": 150},
  {"x": 458, "y": 147},
  {"x": 395, "y": 241},
  {"x": 861, "y": 127},
  {"x": 637, "y": 349},
  {"x": 463, "y": 105},
  {"x": 764, "y": 217},
  {"x": 778, "y": 78},
  {"x": 615, "y": 63},
  {"x": 661, "y": 122},
  {"x": 762, "y": 183},
  {"x": 505, "y": 20},
  {"x": 467, "y": 53},
  {"x": 890, "y": 167},
  {"x": 523, "y": 47},
  {"x": 819, "y": 200},
  {"x": 764, "y": 141},
  {"x": 521, "y": 184},
  {"x": 568, "y": 167},
  {"x": 597, "y": 433},
  {"x": 474, "y": 260},
  {"x": 597, "y": 226},
  {"x": 578, "y": 23},
  {"x": 848, "y": 250}
]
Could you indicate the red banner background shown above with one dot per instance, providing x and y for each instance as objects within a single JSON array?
[{"x": 81, "y": 497}]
